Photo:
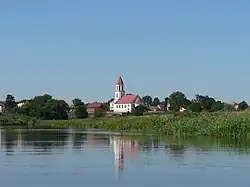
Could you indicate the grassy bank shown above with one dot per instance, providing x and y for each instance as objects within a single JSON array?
[
  {"x": 17, "y": 120},
  {"x": 235, "y": 125}
]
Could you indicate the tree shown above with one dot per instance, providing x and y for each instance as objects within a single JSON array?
[
  {"x": 205, "y": 101},
  {"x": 80, "y": 110},
  {"x": 217, "y": 106},
  {"x": 45, "y": 107},
  {"x": 139, "y": 110},
  {"x": 156, "y": 101},
  {"x": 147, "y": 100},
  {"x": 177, "y": 100},
  {"x": 77, "y": 102},
  {"x": 62, "y": 109},
  {"x": 242, "y": 105},
  {"x": 10, "y": 103},
  {"x": 195, "y": 107}
]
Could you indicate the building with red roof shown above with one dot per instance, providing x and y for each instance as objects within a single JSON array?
[{"x": 124, "y": 103}]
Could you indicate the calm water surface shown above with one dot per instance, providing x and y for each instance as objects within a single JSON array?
[{"x": 68, "y": 157}]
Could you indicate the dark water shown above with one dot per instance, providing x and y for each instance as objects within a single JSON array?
[{"x": 83, "y": 158}]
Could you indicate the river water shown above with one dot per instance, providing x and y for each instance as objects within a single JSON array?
[{"x": 91, "y": 158}]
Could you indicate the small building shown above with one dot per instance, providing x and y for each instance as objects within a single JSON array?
[
  {"x": 95, "y": 108},
  {"x": 155, "y": 108},
  {"x": 2, "y": 106},
  {"x": 22, "y": 102}
]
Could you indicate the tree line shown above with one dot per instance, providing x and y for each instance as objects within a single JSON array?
[
  {"x": 48, "y": 108},
  {"x": 178, "y": 100}
]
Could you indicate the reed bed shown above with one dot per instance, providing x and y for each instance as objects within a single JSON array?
[{"x": 235, "y": 125}]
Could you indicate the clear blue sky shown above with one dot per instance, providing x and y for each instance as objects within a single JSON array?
[{"x": 79, "y": 48}]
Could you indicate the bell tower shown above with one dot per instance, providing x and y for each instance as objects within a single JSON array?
[{"x": 119, "y": 89}]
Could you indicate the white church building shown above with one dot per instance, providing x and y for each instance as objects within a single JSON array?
[{"x": 124, "y": 103}]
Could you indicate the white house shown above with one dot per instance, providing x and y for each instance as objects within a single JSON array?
[
  {"x": 122, "y": 102},
  {"x": 2, "y": 106}
]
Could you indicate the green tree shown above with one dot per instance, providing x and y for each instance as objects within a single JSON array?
[
  {"x": 139, "y": 110},
  {"x": 217, "y": 106},
  {"x": 10, "y": 103},
  {"x": 205, "y": 101},
  {"x": 77, "y": 102},
  {"x": 62, "y": 109},
  {"x": 147, "y": 100},
  {"x": 195, "y": 107},
  {"x": 177, "y": 100},
  {"x": 242, "y": 105},
  {"x": 45, "y": 107},
  {"x": 80, "y": 110},
  {"x": 156, "y": 101}
]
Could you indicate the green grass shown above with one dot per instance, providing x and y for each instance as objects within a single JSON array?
[{"x": 234, "y": 125}]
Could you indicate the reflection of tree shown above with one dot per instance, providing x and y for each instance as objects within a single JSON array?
[
  {"x": 78, "y": 139},
  {"x": 43, "y": 141},
  {"x": 176, "y": 152},
  {"x": 146, "y": 145},
  {"x": 10, "y": 138}
]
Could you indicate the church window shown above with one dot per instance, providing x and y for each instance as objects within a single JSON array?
[
  {"x": 125, "y": 106},
  {"x": 116, "y": 94}
]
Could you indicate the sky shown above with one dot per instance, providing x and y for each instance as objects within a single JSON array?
[{"x": 70, "y": 48}]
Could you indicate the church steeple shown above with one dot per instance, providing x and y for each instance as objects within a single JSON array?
[{"x": 119, "y": 89}]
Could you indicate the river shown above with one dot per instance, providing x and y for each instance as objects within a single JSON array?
[{"x": 91, "y": 158}]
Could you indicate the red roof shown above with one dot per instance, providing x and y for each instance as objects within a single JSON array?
[
  {"x": 119, "y": 81},
  {"x": 138, "y": 100},
  {"x": 129, "y": 99}
]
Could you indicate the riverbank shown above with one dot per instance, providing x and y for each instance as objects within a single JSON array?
[{"x": 234, "y": 125}]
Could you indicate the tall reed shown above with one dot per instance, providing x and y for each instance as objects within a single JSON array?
[{"x": 235, "y": 125}]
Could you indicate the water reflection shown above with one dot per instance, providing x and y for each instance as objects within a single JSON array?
[
  {"x": 36, "y": 157},
  {"x": 123, "y": 148}
]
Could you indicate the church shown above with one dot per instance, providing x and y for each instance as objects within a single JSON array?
[{"x": 124, "y": 103}]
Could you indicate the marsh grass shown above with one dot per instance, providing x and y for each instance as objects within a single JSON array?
[{"x": 234, "y": 125}]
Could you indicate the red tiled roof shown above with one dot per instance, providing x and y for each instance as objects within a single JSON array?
[
  {"x": 119, "y": 81},
  {"x": 129, "y": 99},
  {"x": 138, "y": 100}
]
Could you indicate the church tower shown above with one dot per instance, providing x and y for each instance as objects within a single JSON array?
[{"x": 119, "y": 89}]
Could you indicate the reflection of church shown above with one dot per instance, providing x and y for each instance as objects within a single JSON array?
[{"x": 123, "y": 148}]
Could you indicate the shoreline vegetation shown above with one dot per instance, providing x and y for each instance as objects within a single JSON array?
[
  {"x": 203, "y": 116},
  {"x": 232, "y": 125},
  {"x": 17, "y": 120}
]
